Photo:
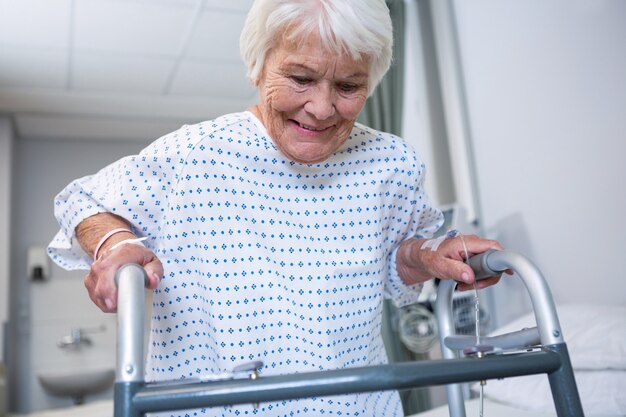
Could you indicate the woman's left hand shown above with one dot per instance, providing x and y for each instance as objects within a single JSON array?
[{"x": 417, "y": 265}]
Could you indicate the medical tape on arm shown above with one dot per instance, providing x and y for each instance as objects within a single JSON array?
[{"x": 433, "y": 244}]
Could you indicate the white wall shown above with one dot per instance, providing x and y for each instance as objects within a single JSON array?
[
  {"x": 6, "y": 153},
  {"x": 44, "y": 312},
  {"x": 546, "y": 93},
  {"x": 423, "y": 124}
]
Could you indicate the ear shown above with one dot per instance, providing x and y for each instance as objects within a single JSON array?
[
  {"x": 260, "y": 79},
  {"x": 260, "y": 76}
]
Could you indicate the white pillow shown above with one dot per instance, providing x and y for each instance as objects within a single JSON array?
[
  {"x": 601, "y": 392},
  {"x": 595, "y": 334}
]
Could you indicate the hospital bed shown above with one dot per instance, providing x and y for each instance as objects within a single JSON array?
[
  {"x": 543, "y": 351},
  {"x": 596, "y": 340}
]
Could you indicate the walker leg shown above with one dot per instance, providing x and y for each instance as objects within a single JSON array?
[
  {"x": 456, "y": 402},
  {"x": 563, "y": 385},
  {"x": 123, "y": 399}
]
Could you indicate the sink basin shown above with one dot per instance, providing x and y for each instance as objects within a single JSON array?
[{"x": 76, "y": 383}]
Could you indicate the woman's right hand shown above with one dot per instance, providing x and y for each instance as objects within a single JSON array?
[{"x": 100, "y": 281}]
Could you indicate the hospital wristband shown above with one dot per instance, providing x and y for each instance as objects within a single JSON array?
[
  {"x": 135, "y": 241},
  {"x": 105, "y": 238}
]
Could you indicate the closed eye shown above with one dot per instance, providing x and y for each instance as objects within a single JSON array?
[
  {"x": 348, "y": 87},
  {"x": 301, "y": 80}
]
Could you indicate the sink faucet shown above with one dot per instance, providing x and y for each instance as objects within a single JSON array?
[{"x": 77, "y": 337}]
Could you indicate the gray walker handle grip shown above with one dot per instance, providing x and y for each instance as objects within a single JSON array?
[
  {"x": 495, "y": 262},
  {"x": 488, "y": 264},
  {"x": 480, "y": 266}
]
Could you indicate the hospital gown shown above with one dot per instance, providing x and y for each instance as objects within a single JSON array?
[{"x": 264, "y": 258}]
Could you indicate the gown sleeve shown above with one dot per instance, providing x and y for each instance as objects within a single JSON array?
[
  {"x": 134, "y": 187},
  {"x": 417, "y": 218}
]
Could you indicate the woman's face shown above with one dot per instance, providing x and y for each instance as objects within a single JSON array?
[{"x": 310, "y": 98}]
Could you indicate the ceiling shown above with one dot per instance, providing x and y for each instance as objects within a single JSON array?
[{"x": 119, "y": 69}]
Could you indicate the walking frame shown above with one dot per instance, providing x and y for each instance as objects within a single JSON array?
[{"x": 541, "y": 349}]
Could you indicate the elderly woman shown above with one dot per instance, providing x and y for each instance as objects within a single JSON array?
[{"x": 275, "y": 233}]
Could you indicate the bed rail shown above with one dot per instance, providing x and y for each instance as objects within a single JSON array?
[{"x": 133, "y": 397}]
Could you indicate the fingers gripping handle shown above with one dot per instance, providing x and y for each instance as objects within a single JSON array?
[{"x": 131, "y": 281}]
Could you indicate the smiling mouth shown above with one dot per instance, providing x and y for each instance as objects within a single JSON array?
[{"x": 310, "y": 128}]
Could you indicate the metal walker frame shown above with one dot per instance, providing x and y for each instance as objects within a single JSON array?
[{"x": 133, "y": 397}]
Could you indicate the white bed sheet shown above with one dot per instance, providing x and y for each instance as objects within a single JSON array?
[{"x": 491, "y": 408}]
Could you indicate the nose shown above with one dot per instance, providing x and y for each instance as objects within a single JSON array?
[{"x": 321, "y": 102}]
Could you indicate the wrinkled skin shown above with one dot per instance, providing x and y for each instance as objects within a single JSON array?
[
  {"x": 310, "y": 98},
  {"x": 100, "y": 281},
  {"x": 417, "y": 265}
]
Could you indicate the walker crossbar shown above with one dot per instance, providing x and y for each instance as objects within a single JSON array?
[
  {"x": 133, "y": 397},
  {"x": 396, "y": 376},
  {"x": 514, "y": 340}
]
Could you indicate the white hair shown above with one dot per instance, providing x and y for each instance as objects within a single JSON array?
[{"x": 356, "y": 27}]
